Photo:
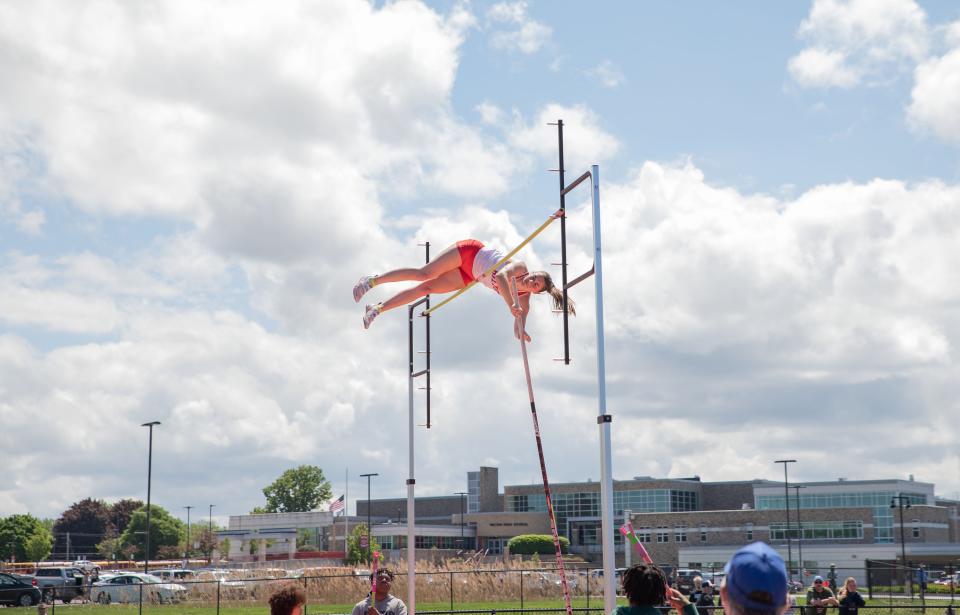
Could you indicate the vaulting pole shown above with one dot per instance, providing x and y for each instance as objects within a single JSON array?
[{"x": 543, "y": 464}]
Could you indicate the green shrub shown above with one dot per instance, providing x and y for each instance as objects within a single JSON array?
[{"x": 542, "y": 544}]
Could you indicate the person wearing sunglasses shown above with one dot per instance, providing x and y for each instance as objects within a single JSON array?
[{"x": 819, "y": 597}]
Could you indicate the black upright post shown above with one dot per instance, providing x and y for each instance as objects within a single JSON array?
[
  {"x": 563, "y": 248},
  {"x": 427, "y": 246}
]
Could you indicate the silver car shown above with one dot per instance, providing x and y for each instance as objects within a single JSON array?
[{"x": 132, "y": 587}]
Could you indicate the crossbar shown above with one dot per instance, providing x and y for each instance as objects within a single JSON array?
[{"x": 493, "y": 267}]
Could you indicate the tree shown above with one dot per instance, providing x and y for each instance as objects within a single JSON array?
[
  {"x": 165, "y": 530},
  {"x": 37, "y": 547},
  {"x": 15, "y": 531},
  {"x": 299, "y": 489},
  {"x": 110, "y": 547},
  {"x": 206, "y": 540},
  {"x": 87, "y": 522},
  {"x": 356, "y": 553},
  {"x": 120, "y": 513}
]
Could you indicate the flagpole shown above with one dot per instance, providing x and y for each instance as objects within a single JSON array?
[{"x": 346, "y": 510}]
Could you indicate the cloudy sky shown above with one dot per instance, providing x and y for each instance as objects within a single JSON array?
[{"x": 189, "y": 190}]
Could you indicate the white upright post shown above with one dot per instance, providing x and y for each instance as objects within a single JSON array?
[
  {"x": 603, "y": 419},
  {"x": 411, "y": 482}
]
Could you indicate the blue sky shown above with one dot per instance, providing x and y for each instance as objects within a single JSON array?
[{"x": 189, "y": 192}]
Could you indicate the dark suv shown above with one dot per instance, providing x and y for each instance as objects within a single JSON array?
[{"x": 18, "y": 590}]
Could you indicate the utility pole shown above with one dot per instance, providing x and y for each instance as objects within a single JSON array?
[
  {"x": 186, "y": 552},
  {"x": 370, "y": 527},
  {"x": 146, "y": 553},
  {"x": 786, "y": 502}
]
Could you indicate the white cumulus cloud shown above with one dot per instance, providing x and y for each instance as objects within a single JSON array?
[{"x": 859, "y": 41}]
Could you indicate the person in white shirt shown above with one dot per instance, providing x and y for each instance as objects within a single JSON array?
[
  {"x": 383, "y": 603},
  {"x": 460, "y": 264}
]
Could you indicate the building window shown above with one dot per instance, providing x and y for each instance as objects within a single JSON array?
[
  {"x": 703, "y": 534},
  {"x": 820, "y": 530},
  {"x": 680, "y": 533},
  {"x": 749, "y": 531},
  {"x": 916, "y": 528},
  {"x": 663, "y": 534},
  {"x": 644, "y": 534}
]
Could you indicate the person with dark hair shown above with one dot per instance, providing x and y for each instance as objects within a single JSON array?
[
  {"x": 646, "y": 588},
  {"x": 704, "y": 602},
  {"x": 288, "y": 600},
  {"x": 754, "y": 582},
  {"x": 384, "y": 603},
  {"x": 462, "y": 263}
]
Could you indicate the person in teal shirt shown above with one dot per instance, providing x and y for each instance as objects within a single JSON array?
[{"x": 646, "y": 589}]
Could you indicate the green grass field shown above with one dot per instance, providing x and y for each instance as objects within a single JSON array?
[{"x": 901, "y": 606}]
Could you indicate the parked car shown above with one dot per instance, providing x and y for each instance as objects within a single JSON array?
[
  {"x": 172, "y": 575},
  {"x": 130, "y": 587},
  {"x": 19, "y": 590},
  {"x": 60, "y": 582}
]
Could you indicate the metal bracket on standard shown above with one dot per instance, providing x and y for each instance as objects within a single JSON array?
[
  {"x": 604, "y": 418},
  {"x": 411, "y": 481}
]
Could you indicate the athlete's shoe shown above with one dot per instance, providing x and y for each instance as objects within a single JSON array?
[
  {"x": 372, "y": 312},
  {"x": 361, "y": 287}
]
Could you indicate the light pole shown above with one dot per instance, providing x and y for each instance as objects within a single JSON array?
[
  {"x": 897, "y": 502},
  {"x": 799, "y": 535},
  {"x": 186, "y": 552},
  {"x": 369, "y": 527},
  {"x": 786, "y": 493},
  {"x": 461, "y": 494},
  {"x": 146, "y": 554}
]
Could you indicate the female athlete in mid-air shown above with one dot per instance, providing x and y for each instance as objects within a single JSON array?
[{"x": 456, "y": 267}]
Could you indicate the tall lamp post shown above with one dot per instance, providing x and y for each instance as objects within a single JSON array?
[
  {"x": 186, "y": 552},
  {"x": 461, "y": 494},
  {"x": 897, "y": 501},
  {"x": 146, "y": 554},
  {"x": 210, "y": 530},
  {"x": 799, "y": 535},
  {"x": 369, "y": 527},
  {"x": 786, "y": 493}
]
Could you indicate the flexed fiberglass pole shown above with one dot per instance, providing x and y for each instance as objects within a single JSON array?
[{"x": 543, "y": 463}]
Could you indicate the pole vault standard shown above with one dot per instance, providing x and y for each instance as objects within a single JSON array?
[
  {"x": 411, "y": 481},
  {"x": 603, "y": 419},
  {"x": 543, "y": 463}
]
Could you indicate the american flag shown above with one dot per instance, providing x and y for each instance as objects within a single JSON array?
[{"x": 336, "y": 505}]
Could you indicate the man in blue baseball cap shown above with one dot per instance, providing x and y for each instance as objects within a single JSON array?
[{"x": 755, "y": 582}]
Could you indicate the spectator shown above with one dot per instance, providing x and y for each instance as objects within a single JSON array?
[
  {"x": 922, "y": 577},
  {"x": 646, "y": 589},
  {"x": 705, "y": 599},
  {"x": 791, "y": 602},
  {"x": 697, "y": 589},
  {"x": 755, "y": 582},
  {"x": 849, "y": 598},
  {"x": 385, "y": 603},
  {"x": 819, "y": 597},
  {"x": 288, "y": 600}
]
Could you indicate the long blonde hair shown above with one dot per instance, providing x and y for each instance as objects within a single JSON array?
[{"x": 556, "y": 294}]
